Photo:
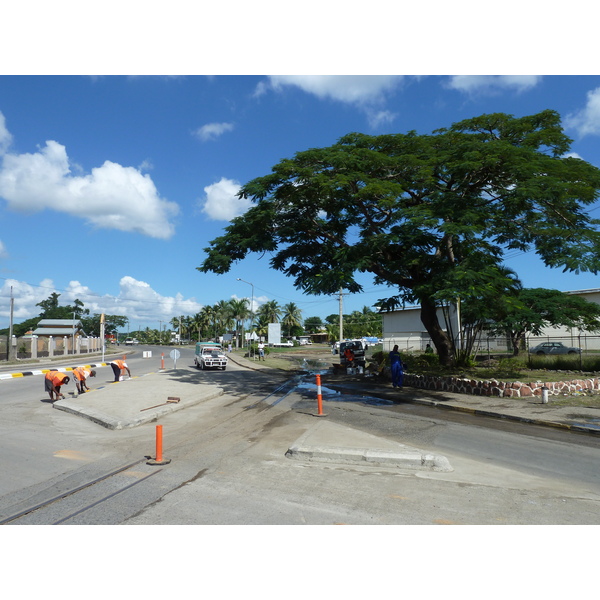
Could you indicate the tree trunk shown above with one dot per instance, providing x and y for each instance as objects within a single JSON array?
[
  {"x": 440, "y": 339},
  {"x": 516, "y": 339}
]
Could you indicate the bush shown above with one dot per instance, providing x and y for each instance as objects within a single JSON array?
[
  {"x": 510, "y": 367},
  {"x": 565, "y": 362},
  {"x": 414, "y": 363},
  {"x": 254, "y": 349}
]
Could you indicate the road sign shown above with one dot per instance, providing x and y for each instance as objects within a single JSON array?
[{"x": 174, "y": 354}]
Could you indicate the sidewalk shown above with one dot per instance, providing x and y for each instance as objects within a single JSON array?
[{"x": 136, "y": 401}]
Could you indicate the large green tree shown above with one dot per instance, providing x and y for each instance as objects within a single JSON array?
[
  {"x": 536, "y": 308},
  {"x": 421, "y": 213}
]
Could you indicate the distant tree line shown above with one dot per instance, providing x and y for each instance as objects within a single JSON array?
[{"x": 51, "y": 309}]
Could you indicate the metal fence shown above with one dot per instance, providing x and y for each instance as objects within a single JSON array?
[{"x": 417, "y": 342}]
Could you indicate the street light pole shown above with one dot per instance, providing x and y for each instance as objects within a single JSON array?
[{"x": 251, "y": 302}]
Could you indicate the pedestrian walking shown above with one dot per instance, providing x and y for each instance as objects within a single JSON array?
[
  {"x": 53, "y": 381},
  {"x": 81, "y": 374},
  {"x": 261, "y": 351},
  {"x": 396, "y": 367},
  {"x": 118, "y": 366}
]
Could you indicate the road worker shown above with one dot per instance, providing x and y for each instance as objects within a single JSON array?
[
  {"x": 397, "y": 368},
  {"x": 118, "y": 366},
  {"x": 81, "y": 375},
  {"x": 53, "y": 382}
]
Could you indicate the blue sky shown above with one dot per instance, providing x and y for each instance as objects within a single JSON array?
[{"x": 111, "y": 185}]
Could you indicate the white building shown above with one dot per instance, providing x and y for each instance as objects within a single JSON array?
[{"x": 404, "y": 327}]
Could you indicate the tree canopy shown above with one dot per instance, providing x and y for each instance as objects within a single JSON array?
[
  {"x": 536, "y": 308},
  {"x": 430, "y": 215}
]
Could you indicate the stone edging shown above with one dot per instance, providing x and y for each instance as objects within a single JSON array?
[{"x": 506, "y": 389}]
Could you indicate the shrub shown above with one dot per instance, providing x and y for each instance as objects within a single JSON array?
[
  {"x": 254, "y": 349},
  {"x": 510, "y": 367},
  {"x": 564, "y": 362}
]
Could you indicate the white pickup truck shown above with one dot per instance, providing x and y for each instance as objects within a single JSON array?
[{"x": 210, "y": 356}]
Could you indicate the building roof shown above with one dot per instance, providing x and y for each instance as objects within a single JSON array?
[
  {"x": 58, "y": 331},
  {"x": 59, "y": 323},
  {"x": 58, "y": 327}
]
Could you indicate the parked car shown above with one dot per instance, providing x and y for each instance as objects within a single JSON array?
[
  {"x": 553, "y": 348},
  {"x": 283, "y": 345}
]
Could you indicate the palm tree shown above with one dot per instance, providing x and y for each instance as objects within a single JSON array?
[
  {"x": 270, "y": 310},
  {"x": 292, "y": 317},
  {"x": 223, "y": 317},
  {"x": 261, "y": 325},
  {"x": 239, "y": 310},
  {"x": 206, "y": 322}
]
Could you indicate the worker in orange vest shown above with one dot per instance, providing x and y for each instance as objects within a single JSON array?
[
  {"x": 118, "y": 366},
  {"x": 53, "y": 382},
  {"x": 81, "y": 374}
]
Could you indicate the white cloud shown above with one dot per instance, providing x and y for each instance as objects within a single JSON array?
[
  {"x": 366, "y": 92},
  {"x": 491, "y": 83},
  {"x": 25, "y": 296},
  {"x": 5, "y": 136},
  {"x": 377, "y": 118},
  {"x": 110, "y": 197},
  {"x": 222, "y": 203},
  {"x": 587, "y": 120},
  {"x": 351, "y": 89},
  {"x": 136, "y": 300},
  {"x": 211, "y": 131}
]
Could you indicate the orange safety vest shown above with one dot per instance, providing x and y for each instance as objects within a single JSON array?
[
  {"x": 121, "y": 364},
  {"x": 81, "y": 373},
  {"x": 56, "y": 377}
]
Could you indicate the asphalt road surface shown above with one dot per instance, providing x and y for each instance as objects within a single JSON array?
[{"x": 228, "y": 464}]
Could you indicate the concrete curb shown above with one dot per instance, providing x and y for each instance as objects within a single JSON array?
[
  {"x": 335, "y": 443},
  {"x": 44, "y": 371},
  {"x": 505, "y": 417},
  {"x": 405, "y": 459},
  {"x": 116, "y": 423}
]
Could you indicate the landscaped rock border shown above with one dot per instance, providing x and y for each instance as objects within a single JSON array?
[{"x": 505, "y": 389}]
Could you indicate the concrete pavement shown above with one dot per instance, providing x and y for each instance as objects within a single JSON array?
[{"x": 136, "y": 400}]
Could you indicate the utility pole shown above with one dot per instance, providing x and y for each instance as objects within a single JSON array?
[
  {"x": 9, "y": 350},
  {"x": 102, "y": 335},
  {"x": 341, "y": 317}
]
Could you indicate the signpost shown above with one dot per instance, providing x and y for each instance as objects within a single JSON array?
[{"x": 174, "y": 354}]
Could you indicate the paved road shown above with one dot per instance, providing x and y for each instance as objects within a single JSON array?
[{"x": 229, "y": 464}]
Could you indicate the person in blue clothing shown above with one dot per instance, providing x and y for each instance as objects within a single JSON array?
[{"x": 397, "y": 368}]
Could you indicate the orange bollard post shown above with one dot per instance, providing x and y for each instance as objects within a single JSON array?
[
  {"x": 159, "y": 460},
  {"x": 162, "y": 360},
  {"x": 319, "y": 398},
  {"x": 158, "y": 443}
]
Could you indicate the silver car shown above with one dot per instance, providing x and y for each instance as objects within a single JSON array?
[{"x": 553, "y": 348}]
